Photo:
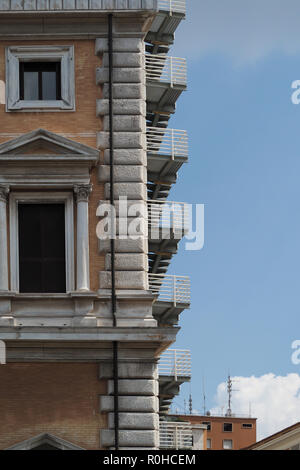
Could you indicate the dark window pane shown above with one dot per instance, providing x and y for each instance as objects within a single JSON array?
[
  {"x": 49, "y": 85},
  {"x": 42, "y": 248},
  {"x": 31, "y": 86}
]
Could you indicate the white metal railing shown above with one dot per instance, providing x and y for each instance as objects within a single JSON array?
[
  {"x": 170, "y": 288},
  {"x": 167, "y": 215},
  {"x": 172, "y": 142},
  {"x": 178, "y": 6},
  {"x": 173, "y": 435},
  {"x": 163, "y": 68},
  {"x": 175, "y": 363}
]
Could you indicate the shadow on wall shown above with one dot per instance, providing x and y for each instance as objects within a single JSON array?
[{"x": 2, "y": 92}]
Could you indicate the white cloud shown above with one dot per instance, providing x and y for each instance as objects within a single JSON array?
[
  {"x": 246, "y": 30},
  {"x": 275, "y": 400}
]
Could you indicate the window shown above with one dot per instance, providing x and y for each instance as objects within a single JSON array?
[
  {"x": 40, "y": 81},
  {"x": 40, "y": 78},
  {"x": 42, "y": 263},
  {"x": 42, "y": 230},
  {"x": 227, "y": 444},
  {"x": 247, "y": 425},
  {"x": 227, "y": 427},
  {"x": 208, "y": 443},
  {"x": 208, "y": 424}
]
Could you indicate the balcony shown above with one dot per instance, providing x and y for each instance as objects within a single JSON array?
[
  {"x": 167, "y": 20},
  {"x": 175, "y": 435},
  {"x": 167, "y": 151},
  {"x": 166, "y": 79},
  {"x": 174, "y": 368},
  {"x": 168, "y": 223},
  {"x": 172, "y": 297}
]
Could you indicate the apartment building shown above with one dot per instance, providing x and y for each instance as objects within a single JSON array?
[
  {"x": 87, "y": 88},
  {"x": 225, "y": 432}
]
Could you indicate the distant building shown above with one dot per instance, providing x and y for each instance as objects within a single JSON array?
[
  {"x": 287, "y": 439},
  {"x": 226, "y": 432}
]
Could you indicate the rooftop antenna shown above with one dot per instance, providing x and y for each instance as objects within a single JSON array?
[
  {"x": 229, "y": 391},
  {"x": 204, "y": 397},
  {"x": 191, "y": 404}
]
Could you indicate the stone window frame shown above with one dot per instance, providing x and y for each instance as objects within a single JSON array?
[
  {"x": 35, "y": 198},
  {"x": 17, "y": 54}
]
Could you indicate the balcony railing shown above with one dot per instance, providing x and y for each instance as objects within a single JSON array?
[
  {"x": 171, "y": 142},
  {"x": 170, "y": 288},
  {"x": 173, "y": 435},
  {"x": 167, "y": 215},
  {"x": 175, "y": 363},
  {"x": 162, "y": 68},
  {"x": 178, "y": 6}
]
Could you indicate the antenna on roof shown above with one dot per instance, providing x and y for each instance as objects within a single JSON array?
[
  {"x": 191, "y": 404},
  {"x": 229, "y": 391},
  {"x": 204, "y": 397}
]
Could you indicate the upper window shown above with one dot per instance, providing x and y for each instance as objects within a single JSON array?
[
  {"x": 40, "y": 81},
  {"x": 247, "y": 425},
  {"x": 40, "y": 78},
  {"x": 227, "y": 427}
]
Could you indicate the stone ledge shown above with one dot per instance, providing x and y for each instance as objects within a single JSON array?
[
  {"x": 121, "y": 106},
  {"x": 135, "y": 421},
  {"x": 120, "y": 75},
  {"x": 120, "y": 45},
  {"x": 130, "y": 438},
  {"x": 75, "y": 5},
  {"x": 132, "y": 403},
  {"x": 134, "y": 386},
  {"x": 123, "y": 173},
  {"x": 132, "y": 370}
]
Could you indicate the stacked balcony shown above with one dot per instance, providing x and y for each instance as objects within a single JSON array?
[
  {"x": 174, "y": 368},
  {"x": 166, "y": 79},
  {"x": 167, "y": 20},
  {"x": 168, "y": 223},
  {"x": 167, "y": 151},
  {"x": 172, "y": 296}
]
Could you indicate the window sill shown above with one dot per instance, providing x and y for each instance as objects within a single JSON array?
[{"x": 40, "y": 105}]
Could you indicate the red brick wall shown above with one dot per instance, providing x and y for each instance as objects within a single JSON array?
[{"x": 61, "y": 399}]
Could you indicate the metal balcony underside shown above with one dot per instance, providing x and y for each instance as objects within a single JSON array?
[
  {"x": 169, "y": 388},
  {"x": 162, "y": 173},
  {"x": 161, "y": 102},
  {"x": 161, "y": 35},
  {"x": 162, "y": 249},
  {"x": 167, "y": 313}
]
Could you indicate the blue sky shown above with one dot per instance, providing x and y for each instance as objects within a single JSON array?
[{"x": 245, "y": 167}]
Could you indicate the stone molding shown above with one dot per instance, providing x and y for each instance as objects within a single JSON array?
[{"x": 40, "y": 6}]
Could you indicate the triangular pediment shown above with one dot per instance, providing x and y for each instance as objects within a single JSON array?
[
  {"x": 45, "y": 441},
  {"x": 43, "y": 142}
]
